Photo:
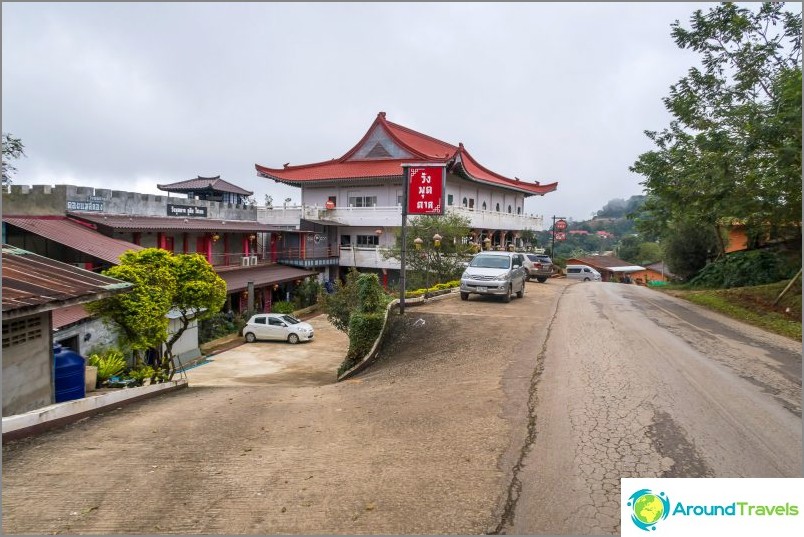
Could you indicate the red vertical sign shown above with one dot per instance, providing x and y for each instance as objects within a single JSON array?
[{"x": 426, "y": 190}]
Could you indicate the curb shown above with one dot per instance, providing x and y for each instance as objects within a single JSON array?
[{"x": 59, "y": 414}]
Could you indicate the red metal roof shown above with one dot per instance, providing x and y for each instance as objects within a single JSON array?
[
  {"x": 74, "y": 235},
  {"x": 33, "y": 283},
  {"x": 422, "y": 147},
  {"x": 68, "y": 315},
  {"x": 215, "y": 184},
  {"x": 237, "y": 279},
  {"x": 124, "y": 222}
]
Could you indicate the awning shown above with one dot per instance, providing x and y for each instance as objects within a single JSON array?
[
  {"x": 237, "y": 280},
  {"x": 65, "y": 231},
  {"x": 630, "y": 268}
]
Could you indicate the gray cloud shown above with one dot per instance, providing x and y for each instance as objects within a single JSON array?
[{"x": 130, "y": 95}]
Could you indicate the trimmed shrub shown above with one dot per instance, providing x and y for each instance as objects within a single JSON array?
[
  {"x": 283, "y": 307},
  {"x": 109, "y": 364},
  {"x": 364, "y": 329}
]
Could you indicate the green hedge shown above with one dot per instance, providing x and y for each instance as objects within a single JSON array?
[
  {"x": 283, "y": 307},
  {"x": 364, "y": 329}
]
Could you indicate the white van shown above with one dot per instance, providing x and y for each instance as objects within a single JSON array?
[{"x": 583, "y": 273}]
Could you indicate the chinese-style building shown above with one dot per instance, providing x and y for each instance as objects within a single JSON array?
[
  {"x": 357, "y": 198},
  {"x": 209, "y": 189}
]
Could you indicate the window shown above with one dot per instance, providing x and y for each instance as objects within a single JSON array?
[
  {"x": 465, "y": 203},
  {"x": 346, "y": 240},
  {"x": 519, "y": 210},
  {"x": 509, "y": 209},
  {"x": 362, "y": 201},
  {"x": 273, "y": 321},
  {"x": 471, "y": 203},
  {"x": 498, "y": 207},
  {"x": 449, "y": 199},
  {"x": 484, "y": 205},
  {"x": 368, "y": 240},
  {"x": 259, "y": 320}
]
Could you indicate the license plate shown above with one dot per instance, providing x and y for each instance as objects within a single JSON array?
[{"x": 482, "y": 289}]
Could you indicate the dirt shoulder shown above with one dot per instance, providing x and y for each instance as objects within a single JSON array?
[{"x": 420, "y": 443}]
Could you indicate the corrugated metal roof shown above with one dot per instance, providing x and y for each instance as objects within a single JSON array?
[
  {"x": 68, "y": 315},
  {"x": 215, "y": 184},
  {"x": 237, "y": 279},
  {"x": 33, "y": 283},
  {"x": 77, "y": 236},
  {"x": 124, "y": 222}
]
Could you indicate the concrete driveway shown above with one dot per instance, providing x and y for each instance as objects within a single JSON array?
[{"x": 264, "y": 363}]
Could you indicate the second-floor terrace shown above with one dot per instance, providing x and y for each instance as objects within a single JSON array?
[{"x": 392, "y": 217}]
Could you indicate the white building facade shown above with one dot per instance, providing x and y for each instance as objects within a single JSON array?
[{"x": 357, "y": 199}]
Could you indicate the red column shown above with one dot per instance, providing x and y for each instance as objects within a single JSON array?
[
  {"x": 208, "y": 247},
  {"x": 185, "y": 243},
  {"x": 245, "y": 245}
]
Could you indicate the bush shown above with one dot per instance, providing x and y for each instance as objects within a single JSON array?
[
  {"x": 283, "y": 307},
  {"x": 747, "y": 268},
  {"x": 109, "y": 364},
  {"x": 139, "y": 374},
  {"x": 364, "y": 329},
  {"x": 217, "y": 326}
]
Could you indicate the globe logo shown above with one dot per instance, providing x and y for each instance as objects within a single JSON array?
[{"x": 648, "y": 508}]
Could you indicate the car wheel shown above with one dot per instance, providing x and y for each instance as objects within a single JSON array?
[
  {"x": 586, "y": 279},
  {"x": 507, "y": 297},
  {"x": 250, "y": 337},
  {"x": 542, "y": 279},
  {"x": 293, "y": 338},
  {"x": 527, "y": 277},
  {"x": 521, "y": 292},
  {"x": 464, "y": 296}
]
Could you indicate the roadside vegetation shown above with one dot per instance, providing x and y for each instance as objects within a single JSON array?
[{"x": 752, "y": 305}]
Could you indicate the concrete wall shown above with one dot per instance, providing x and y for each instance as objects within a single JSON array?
[
  {"x": 100, "y": 336},
  {"x": 186, "y": 348},
  {"x": 27, "y": 364},
  {"x": 37, "y": 200}
]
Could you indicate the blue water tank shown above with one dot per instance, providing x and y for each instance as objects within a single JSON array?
[{"x": 70, "y": 369}]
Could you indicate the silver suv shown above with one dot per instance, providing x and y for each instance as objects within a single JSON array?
[
  {"x": 494, "y": 273},
  {"x": 539, "y": 266}
]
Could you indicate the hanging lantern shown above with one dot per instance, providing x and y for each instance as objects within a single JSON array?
[
  {"x": 417, "y": 242},
  {"x": 437, "y": 240}
]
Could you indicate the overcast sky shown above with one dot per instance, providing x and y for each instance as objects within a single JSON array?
[{"x": 126, "y": 96}]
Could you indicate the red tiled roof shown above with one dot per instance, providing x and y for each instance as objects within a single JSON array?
[
  {"x": 124, "y": 222},
  {"x": 215, "y": 184},
  {"x": 33, "y": 284},
  {"x": 237, "y": 279},
  {"x": 424, "y": 148},
  {"x": 74, "y": 235},
  {"x": 68, "y": 315}
]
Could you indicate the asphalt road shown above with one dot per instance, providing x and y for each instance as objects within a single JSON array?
[
  {"x": 639, "y": 384},
  {"x": 479, "y": 417}
]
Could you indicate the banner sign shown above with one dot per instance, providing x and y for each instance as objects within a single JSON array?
[
  {"x": 426, "y": 189},
  {"x": 92, "y": 203},
  {"x": 186, "y": 210}
]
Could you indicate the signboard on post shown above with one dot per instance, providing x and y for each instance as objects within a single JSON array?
[
  {"x": 561, "y": 225},
  {"x": 426, "y": 189}
]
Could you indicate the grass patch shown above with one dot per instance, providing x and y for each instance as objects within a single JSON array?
[{"x": 752, "y": 305}]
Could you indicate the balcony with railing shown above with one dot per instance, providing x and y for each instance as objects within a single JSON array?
[
  {"x": 392, "y": 216},
  {"x": 288, "y": 256},
  {"x": 366, "y": 257}
]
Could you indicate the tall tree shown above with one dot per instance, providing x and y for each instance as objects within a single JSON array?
[
  {"x": 733, "y": 148},
  {"x": 12, "y": 150}
]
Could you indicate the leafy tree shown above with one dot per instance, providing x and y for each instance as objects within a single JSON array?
[
  {"x": 12, "y": 150},
  {"x": 628, "y": 248},
  {"x": 185, "y": 283},
  {"x": 200, "y": 294},
  {"x": 687, "y": 248},
  {"x": 733, "y": 148},
  {"x": 430, "y": 263},
  {"x": 649, "y": 252},
  {"x": 340, "y": 304}
]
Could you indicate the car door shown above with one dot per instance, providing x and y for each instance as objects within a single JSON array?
[
  {"x": 276, "y": 329},
  {"x": 259, "y": 325}
]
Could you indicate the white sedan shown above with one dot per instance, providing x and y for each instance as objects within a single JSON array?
[{"x": 277, "y": 326}]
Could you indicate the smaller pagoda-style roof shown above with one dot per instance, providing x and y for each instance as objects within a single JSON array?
[{"x": 204, "y": 184}]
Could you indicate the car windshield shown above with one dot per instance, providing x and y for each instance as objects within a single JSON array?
[
  {"x": 290, "y": 319},
  {"x": 540, "y": 258},
  {"x": 491, "y": 261}
]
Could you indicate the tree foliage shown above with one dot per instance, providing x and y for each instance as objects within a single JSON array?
[
  {"x": 12, "y": 150},
  {"x": 184, "y": 283},
  {"x": 733, "y": 147},
  {"x": 431, "y": 264}
]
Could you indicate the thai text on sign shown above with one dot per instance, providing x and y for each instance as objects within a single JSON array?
[{"x": 426, "y": 190}]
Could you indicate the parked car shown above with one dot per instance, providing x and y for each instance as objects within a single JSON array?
[
  {"x": 539, "y": 266},
  {"x": 277, "y": 326},
  {"x": 583, "y": 273},
  {"x": 494, "y": 273}
]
